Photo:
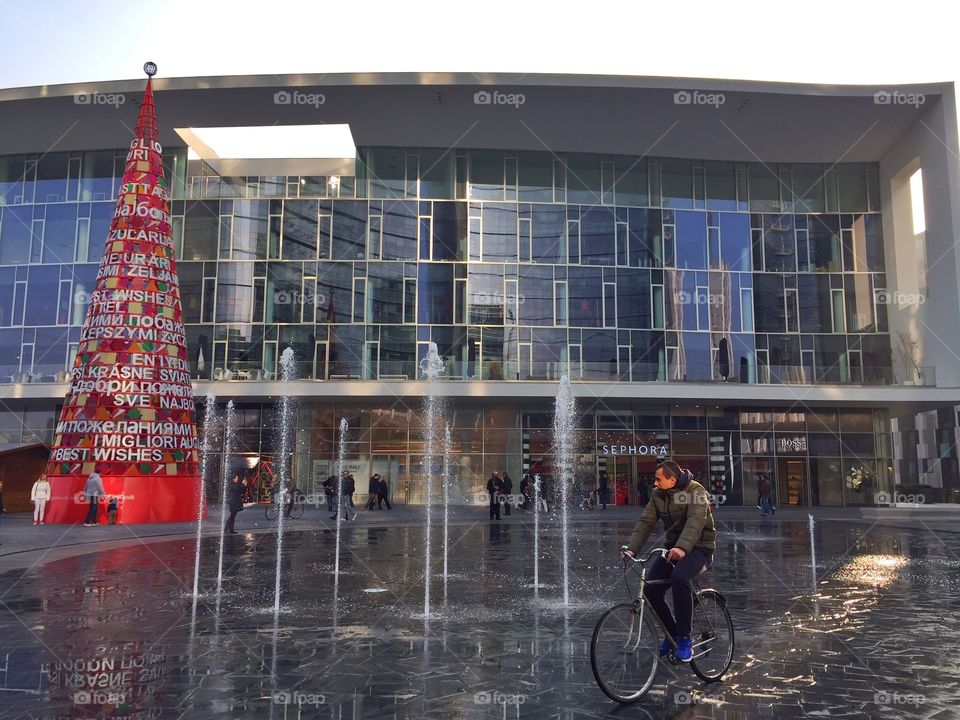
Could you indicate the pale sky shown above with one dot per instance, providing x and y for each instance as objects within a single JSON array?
[{"x": 52, "y": 42}]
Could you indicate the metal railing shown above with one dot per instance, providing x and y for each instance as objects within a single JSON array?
[{"x": 512, "y": 371}]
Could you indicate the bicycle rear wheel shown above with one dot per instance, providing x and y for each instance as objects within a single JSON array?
[
  {"x": 712, "y": 635},
  {"x": 270, "y": 511},
  {"x": 624, "y": 652},
  {"x": 297, "y": 511}
]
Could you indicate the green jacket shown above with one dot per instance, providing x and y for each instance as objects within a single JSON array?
[{"x": 686, "y": 514}]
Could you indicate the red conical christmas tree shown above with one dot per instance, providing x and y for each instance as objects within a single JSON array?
[{"x": 129, "y": 414}]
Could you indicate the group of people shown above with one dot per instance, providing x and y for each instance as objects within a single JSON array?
[
  {"x": 501, "y": 496},
  {"x": 378, "y": 494}
]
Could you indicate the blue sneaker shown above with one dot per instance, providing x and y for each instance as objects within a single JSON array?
[
  {"x": 665, "y": 647},
  {"x": 684, "y": 649}
]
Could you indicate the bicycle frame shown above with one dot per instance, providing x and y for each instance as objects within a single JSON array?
[{"x": 642, "y": 601}]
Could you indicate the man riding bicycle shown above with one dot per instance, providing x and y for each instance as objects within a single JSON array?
[{"x": 684, "y": 506}]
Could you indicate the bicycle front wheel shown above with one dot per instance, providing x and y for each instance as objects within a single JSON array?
[
  {"x": 297, "y": 511},
  {"x": 712, "y": 635},
  {"x": 270, "y": 511},
  {"x": 624, "y": 652}
]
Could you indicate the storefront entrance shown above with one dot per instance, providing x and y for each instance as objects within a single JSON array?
[
  {"x": 792, "y": 482},
  {"x": 629, "y": 477}
]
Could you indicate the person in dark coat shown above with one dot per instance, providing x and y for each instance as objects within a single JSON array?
[
  {"x": 525, "y": 492},
  {"x": 383, "y": 494},
  {"x": 543, "y": 494},
  {"x": 330, "y": 490},
  {"x": 604, "y": 490},
  {"x": 494, "y": 489},
  {"x": 373, "y": 491},
  {"x": 351, "y": 488},
  {"x": 507, "y": 485},
  {"x": 643, "y": 491},
  {"x": 234, "y": 502},
  {"x": 766, "y": 503},
  {"x": 346, "y": 488}
]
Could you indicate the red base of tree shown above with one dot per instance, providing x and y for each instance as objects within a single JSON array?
[{"x": 152, "y": 499}]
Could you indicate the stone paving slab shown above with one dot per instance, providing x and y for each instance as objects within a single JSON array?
[{"x": 878, "y": 637}]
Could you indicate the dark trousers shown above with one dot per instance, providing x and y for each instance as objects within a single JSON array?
[
  {"x": 506, "y": 505},
  {"x": 680, "y": 576},
  {"x": 92, "y": 509},
  {"x": 231, "y": 520},
  {"x": 494, "y": 507},
  {"x": 381, "y": 500},
  {"x": 330, "y": 497}
]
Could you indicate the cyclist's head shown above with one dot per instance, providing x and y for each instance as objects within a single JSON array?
[{"x": 667, "y": 475}]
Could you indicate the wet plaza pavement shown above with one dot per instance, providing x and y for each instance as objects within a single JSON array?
[{"x": 114, "y": 633}]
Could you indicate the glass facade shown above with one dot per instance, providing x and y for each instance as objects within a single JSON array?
[{"x": 519, "y": 265}]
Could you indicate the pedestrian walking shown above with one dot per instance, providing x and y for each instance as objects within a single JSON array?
[
  {"x": 507, "y": 485},
  {"x": 543, "y": 495},
  {"x": 383, "y": 494},
  {"x": 643, "y": 491},
  {"x": 351, "y": 488},
  {"x": 235, "y": 491},
  {"x": 292, "y": 495},
  {"x": 493, "y": 491},
  {"x": 766, "y": 503},
  {"x": 345, "y": 488},
  {"x": 373, "y": 491},
  {"x": 604, "y": 490},
  {"x": 525, "y": 492},
  {"x": 330, "y": 490},
  {"x": 39, "y": 494},
  {"x": 92, "y": 490},
  {"x": 112, "y": 508}
]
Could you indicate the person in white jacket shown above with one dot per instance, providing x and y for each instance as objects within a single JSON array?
[{"x": 39, "y": 494}]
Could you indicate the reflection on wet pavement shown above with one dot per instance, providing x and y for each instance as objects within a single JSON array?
[{"x": 110, "y": 634}]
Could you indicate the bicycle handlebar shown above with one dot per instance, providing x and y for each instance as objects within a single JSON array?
[{"x": 662, "y": 552}]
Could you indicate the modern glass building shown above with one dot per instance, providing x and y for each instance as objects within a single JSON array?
[{"x": 736, "y": 282}]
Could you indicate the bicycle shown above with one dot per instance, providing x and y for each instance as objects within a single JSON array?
[
  {"x": 625, "y": 647},
  {"x": 296, "y": 512}
]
